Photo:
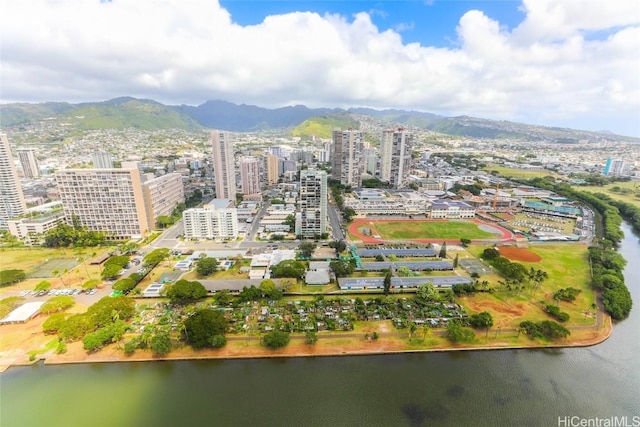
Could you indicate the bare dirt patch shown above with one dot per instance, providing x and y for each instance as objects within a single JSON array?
[
  {"x": 519, "y": 254},
  {"x": 505, "y": 314}
]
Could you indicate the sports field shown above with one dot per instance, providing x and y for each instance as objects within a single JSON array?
[{"x": 424, "y": 230}]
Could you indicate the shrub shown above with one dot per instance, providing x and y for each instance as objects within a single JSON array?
[{"x": 276, "y": 339}]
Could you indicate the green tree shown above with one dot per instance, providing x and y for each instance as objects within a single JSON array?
[
  {"x": 57, "y": 303},
  {"x": 223, "y": 297},
  {"x": 386, "y": 284},
  {"x": 161, "y": 344},
  {"x": 270, "y": 290},
  {"x": 490, "y": 254},
  {"x": 306, "y": 249},
  {"x": 289, "y": 268},
  {"x": 75, "y": 327},
  {"x": 201, "y": 327},
  {"x": 250, "y": 294},
  {"x": 427, "y": 293},
  {"x": 457, "y": 333},
  {"x": 338, "y": 245},
  {"x": 276, "y": 339},
  {"x": 110, "y": 271},
  {"x": 124, "y": 285},
  {"x": 217, "y": 341},
  {"x": 443, "y": 250},
  {"x": 404, "y": 271},
  {"x": 184, "y": 291},
  {"x": 164, "y": 221},
  {"x": 341, "y": 268},
  {"x": 102, "y": 312},
  {"x": 43, "y": 285},
  {"x": 207, "y": 266},
  {"x": 348, "y": 214},
  {"x": 455, "y": 261},
  {"x": 465, "y": 242},
  {"x": 290, "y": 220},
  {"x": 311, "y": 337},
  {"x": 54, "y": 323}
]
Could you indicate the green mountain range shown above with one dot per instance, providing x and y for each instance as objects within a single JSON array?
[{"x": 144, "y": 114}]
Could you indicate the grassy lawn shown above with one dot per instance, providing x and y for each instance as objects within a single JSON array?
[
  {"x": 430, "y": 230},
  {"x": 630, "y": 191},
  {"x": 301, "y": 287},
  {"x": 519, "y": 173},
  {"x": 30, "y": 259},
  {"x": 566, "y": 265}
]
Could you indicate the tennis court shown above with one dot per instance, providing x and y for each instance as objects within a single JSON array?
[{"x": 47, "y": 268}]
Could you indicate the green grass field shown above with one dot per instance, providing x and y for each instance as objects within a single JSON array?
[
  {"x": 430, "y": 230},
  {"x": 567, "y": 266},
  {"x": 519, "y": 173},
  {"x": 629, "y": 191}
]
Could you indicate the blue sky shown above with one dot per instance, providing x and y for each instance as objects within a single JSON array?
[
  {"x": 571, "y": 63},
  {"x": 428, "y": 23}
]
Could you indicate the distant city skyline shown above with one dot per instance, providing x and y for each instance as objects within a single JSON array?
[{"x": 556, "y": 63}]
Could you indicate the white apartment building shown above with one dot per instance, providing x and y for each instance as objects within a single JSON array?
[
  {"x": 35, "y": 222},
  {"x": 395, "y": 157},
  {"x": 250, "y": 175},
  {"x": 107, "y": 200},
  {"x": 217, "y": 220},
  {"x": 312, "y": 203},
  {"x": 347, "y": 161},
  {"x": 223, "y": 164},
  {"x": 12, "y": 202},
  {"x": 29, "y": 162}
]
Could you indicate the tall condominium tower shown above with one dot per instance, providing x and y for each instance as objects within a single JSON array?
[
  {"x": 347, "y": 162},
  {"x": 223, "y": 165},
  {"x": 395, "y": 157},
  {"x": 118, "y": 202},
  {"x": 250, "y": 175},
  {"x": 11, "y": 198},
  {"x": 102, "y": 160},
  {"x": 615, "y": 167},
  {"x": 29, "y": 162},
  {"x": 273, "y": 169},
  {"x": 107, "y": 200},
  {"x": 312, "y": 219}
]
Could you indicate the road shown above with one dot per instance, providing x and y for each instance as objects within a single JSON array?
[
  {"x": 336, "y": 225},
  {"x": 169, "y": 238},
  {"x": 256, "y": 223}
]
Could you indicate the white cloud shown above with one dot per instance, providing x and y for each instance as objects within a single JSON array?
[{"x": 550, "y": 67}]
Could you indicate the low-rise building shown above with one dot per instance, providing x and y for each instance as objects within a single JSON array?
[
  {"x": 451, "y": 209},
  {"x": 31, "y": 227},
  {"x": 217, "y": 220}
]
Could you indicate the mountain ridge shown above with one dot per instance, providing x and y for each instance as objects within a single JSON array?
[{"x": 147, "y": 114}]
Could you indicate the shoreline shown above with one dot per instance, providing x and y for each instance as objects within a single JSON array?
[{"x": 293, "y": 350}]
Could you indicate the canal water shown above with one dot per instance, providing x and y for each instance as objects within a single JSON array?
[{"x": 481, "y": 388}]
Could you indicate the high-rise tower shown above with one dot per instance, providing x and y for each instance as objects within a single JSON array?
[
  {"x": 312, "y": 203},
  {"x": 347, "y": 162},
  {"x": 11, "y": 198},
  {"x": 395, "y": 157},
  {"x": 223, "y": 165},
  {"x": 29, "y": 162},
  {"x": 250, "y": 175}
]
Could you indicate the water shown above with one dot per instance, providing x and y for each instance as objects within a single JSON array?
[{"x": 483, "y": 388}]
